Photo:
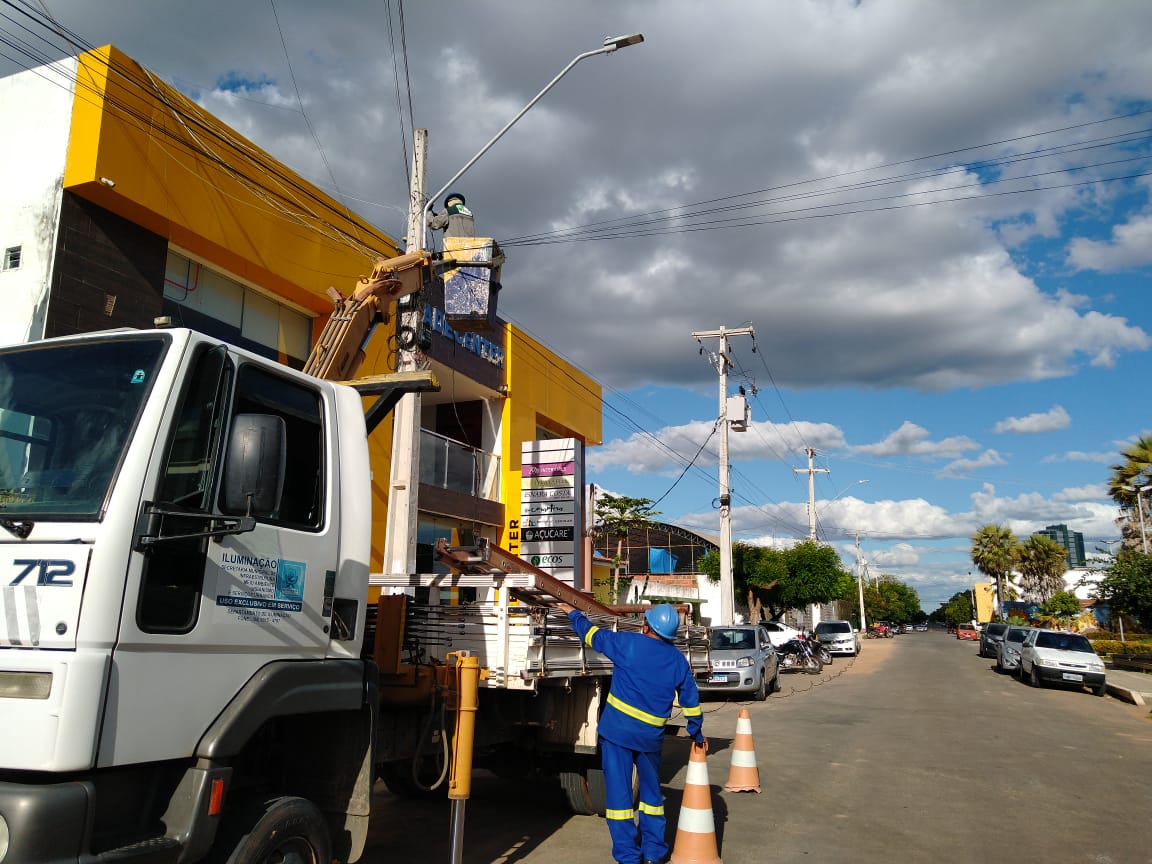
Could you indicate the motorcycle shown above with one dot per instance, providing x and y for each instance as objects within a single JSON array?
[{"x": 799, "y": 654}]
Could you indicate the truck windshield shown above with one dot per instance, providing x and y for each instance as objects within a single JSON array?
[{"x": 66, "y": 415}]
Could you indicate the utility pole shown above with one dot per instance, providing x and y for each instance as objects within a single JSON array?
[
  {"x": 404, "y": 470},
  {"x": 721, "y": 362},
  {"x": 814, "y": 609},
  {"x": 860, "y": 584},
  {"x": 812, "y": 472}
]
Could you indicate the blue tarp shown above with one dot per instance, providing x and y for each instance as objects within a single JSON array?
[{"x": 661, "y": 561}]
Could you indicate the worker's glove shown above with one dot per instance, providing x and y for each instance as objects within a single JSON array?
[{"x": 700, "y": 740}]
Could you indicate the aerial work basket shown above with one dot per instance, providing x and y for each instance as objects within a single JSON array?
[{"x": 472, "y": 285}]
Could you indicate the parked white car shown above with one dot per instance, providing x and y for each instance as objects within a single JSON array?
[
  {"x": 779, "y": 633},
  {"x": 1056, "y": 657},
  {"x": 839, "y": 637}
]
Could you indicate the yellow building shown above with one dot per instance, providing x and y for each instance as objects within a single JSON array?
[
  {"x": 985, "y": 593},
  {"x": 125, "y": 201}
]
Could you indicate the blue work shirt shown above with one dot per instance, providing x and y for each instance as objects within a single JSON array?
[{"x": 647, "y": 673}]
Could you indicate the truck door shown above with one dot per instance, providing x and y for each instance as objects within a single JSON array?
[{"x": 206, "y": 613}]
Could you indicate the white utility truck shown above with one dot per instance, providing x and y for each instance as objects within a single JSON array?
[{"x": 190, "y": 664}]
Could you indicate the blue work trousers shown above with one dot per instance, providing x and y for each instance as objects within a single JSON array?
[{"x": 618, "y": 763}]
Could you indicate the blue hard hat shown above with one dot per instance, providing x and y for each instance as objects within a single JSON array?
[{"x": 663, "y": 620}]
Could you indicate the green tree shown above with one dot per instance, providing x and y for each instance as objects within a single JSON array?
[
  {"x": 1063, "y": 604},
  {"x": 756, "y": 571},
  {"x": 774, "y": 580},
  {"x": 992, "y": 553},
  {"x": 956, "y": 609},
  {"x": 1132, "y": 472},
  {"x": 1127, "y": 586},
  {"x": 889, "y": 599},
  {"x": 616, "y": 515},
  {"x": 1042, "y": 563}
]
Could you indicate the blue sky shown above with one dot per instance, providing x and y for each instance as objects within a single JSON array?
[{"x": 933, "y": 214}]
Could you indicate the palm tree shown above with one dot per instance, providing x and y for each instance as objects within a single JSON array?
[
  {"x": 992, "y": 551},
  {"x": 1042, "y": 563},
  {"x": 1131, "y": 473}
]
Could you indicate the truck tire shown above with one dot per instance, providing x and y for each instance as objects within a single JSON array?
[
  {"x": 397, "y": 776},
  {"x": 279, "y": 831},
  {"x": 585, "y": 790}
]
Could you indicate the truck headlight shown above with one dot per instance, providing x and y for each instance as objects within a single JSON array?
[
  {"x": 3, "y": 838},
  {"x": 25, "y": 685},
  {"x": 743, "y": 662}
]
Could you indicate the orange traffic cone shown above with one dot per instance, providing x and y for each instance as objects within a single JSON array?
[
  {"x": 696, "y": 829},
  {"x": 743, "y": 776}
]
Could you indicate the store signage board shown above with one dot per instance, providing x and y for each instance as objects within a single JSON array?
[{"x": 551, "y": 507}]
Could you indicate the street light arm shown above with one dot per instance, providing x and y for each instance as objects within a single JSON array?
[{"x": 611, "y": 44}]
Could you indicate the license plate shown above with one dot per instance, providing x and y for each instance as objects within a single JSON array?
[
  {"x": 1072, "y": 676},
  {"x": 718, "y": 678}
]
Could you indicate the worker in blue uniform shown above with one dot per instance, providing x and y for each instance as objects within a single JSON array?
[{"x": 648, "y": 671}]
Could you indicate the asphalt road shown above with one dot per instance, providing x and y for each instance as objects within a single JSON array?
[{"x": 916, "y": 751}]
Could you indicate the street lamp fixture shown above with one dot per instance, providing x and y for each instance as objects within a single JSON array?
[
  {"x": 1140, "y": 490},
  {"x": 612, "y": 43}
]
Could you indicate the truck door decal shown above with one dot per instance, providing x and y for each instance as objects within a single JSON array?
[{"x": 261, "y": 589}]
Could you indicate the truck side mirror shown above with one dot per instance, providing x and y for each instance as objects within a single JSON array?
[{"x": 254, "y": 468}]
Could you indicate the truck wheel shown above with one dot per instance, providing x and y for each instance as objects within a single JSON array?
[
  {"x": 280, "y": 831},
  {"x": 397, "y": 776},
  {"x": 585, "y": 790}
]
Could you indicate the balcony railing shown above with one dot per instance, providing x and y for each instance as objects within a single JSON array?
[{"x": 454, "y": 466}]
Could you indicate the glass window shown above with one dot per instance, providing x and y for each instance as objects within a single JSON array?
[
  {"x": 173, "y": 577},
  {"x": 67, "y": 412},
  {"x": 260, "y": 392},
  {"x": 833, "y": 627},
  {"x": 193, "y": 447}
]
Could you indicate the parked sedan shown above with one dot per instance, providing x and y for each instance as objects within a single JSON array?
[
  {"x": 990, "y": 637},
  {"x": 743, "y": 662},
  {"x": 1055, "y": 657},
  {"x": 838, "y": 637},
  {"x": 1008, "y": 648},
  {"x": 779, "y": 633}
]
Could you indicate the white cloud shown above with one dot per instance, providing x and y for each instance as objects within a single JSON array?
[
  {"x": 1102, "y": 457},
  {"x": 913, "y": 440},
  {"x": 670, "y": 448},
  {"x": 1052, "y": 420},
  {"x": 1091, "y": 492},
  {"x": 1129, "y": 246},
  {"x": 964, "y": 467}
]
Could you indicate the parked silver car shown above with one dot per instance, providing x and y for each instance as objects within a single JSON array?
[
  {"x": 1056, "y": 657},
  {"x": 990, "y": 636},
  {"x": 1008, "y": 648},
  {"x": 839, "y": 637},
  {"x": 743, "y": 662}
]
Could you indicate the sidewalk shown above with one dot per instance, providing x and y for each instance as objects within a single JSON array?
[{"x": 1134, "y": 687}]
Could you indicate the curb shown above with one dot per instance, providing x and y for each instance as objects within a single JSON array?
[{"x": 1123, "y": 693}]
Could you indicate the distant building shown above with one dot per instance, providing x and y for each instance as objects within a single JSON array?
[{"x": 1072, "y": 541}]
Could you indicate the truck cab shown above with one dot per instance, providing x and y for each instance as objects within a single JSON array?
[{"x": 167, "y": 499}]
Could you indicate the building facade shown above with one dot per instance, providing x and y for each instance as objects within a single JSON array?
[
  {"x": 1072, "y": 541},
  {"x": 126, "y": 202}
]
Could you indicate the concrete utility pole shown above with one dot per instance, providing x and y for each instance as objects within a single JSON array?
[
  {"x": 812, "y": 472},
  {"x": 721, "y": 362},
  {"x": 404, "y": 471},
  {"x": 814, "y": 609},
  {"x": 860, "y": 584}
]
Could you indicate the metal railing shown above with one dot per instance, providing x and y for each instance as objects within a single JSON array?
[{"x": 453, "y": 465}]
